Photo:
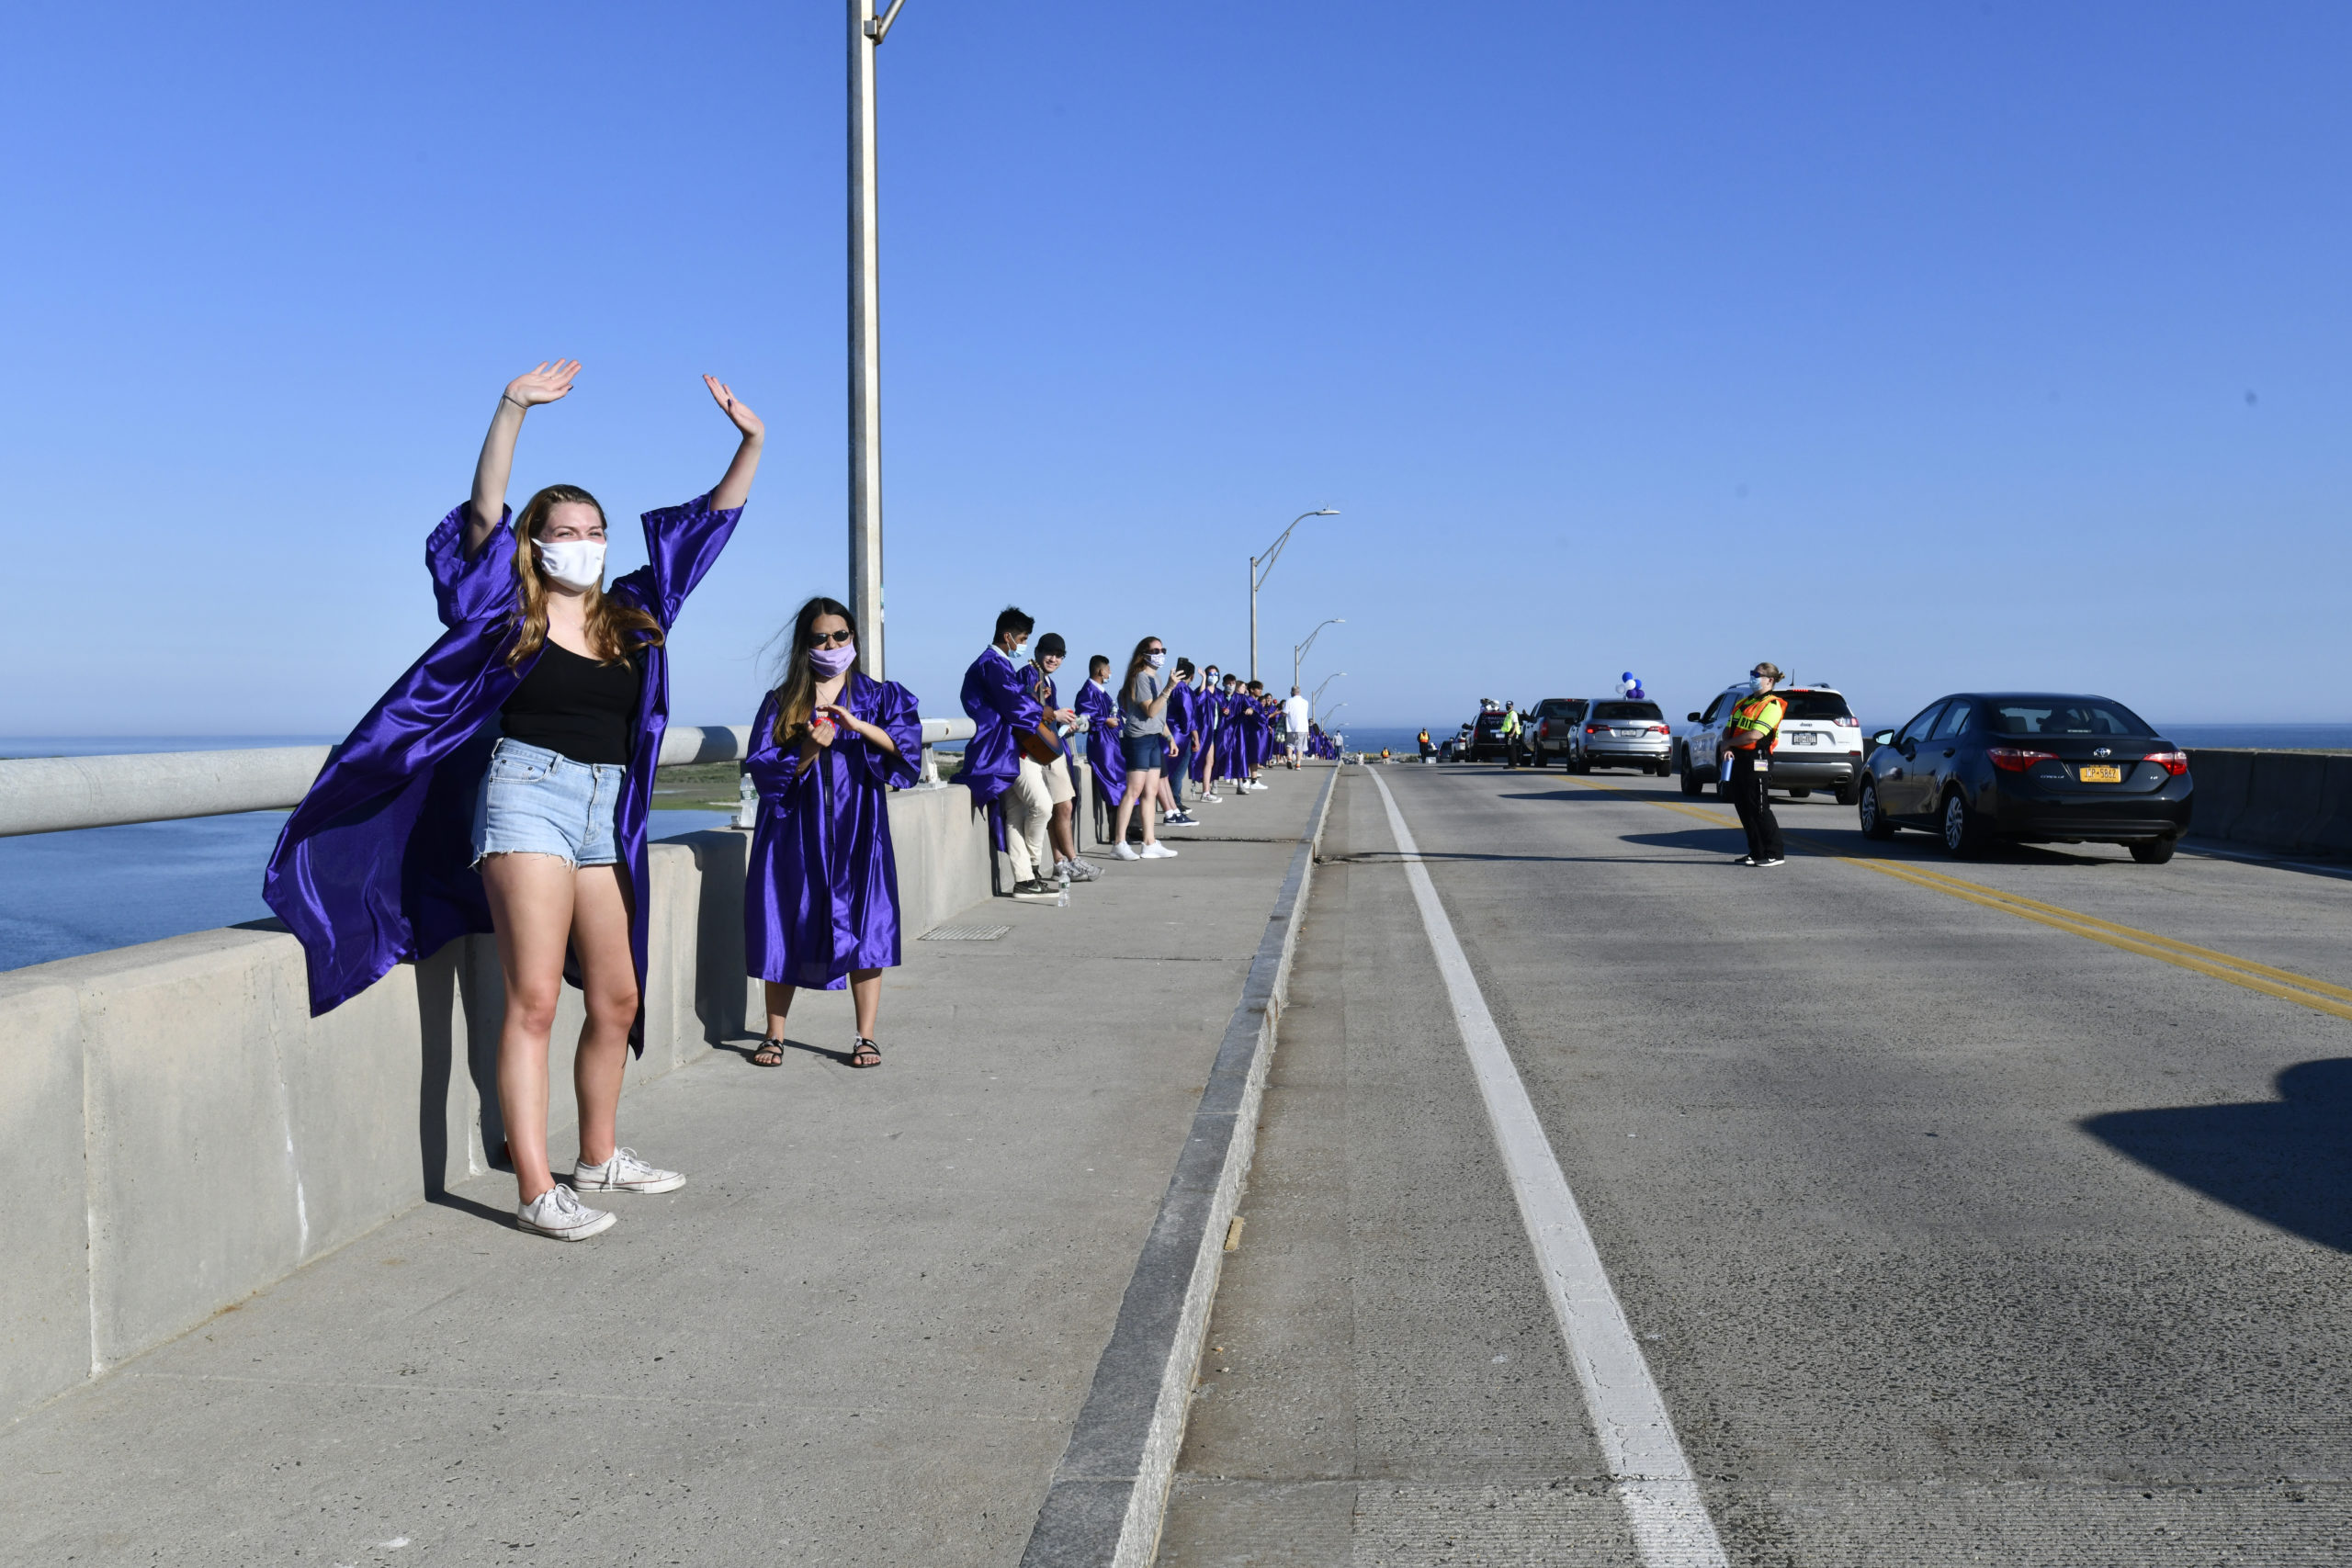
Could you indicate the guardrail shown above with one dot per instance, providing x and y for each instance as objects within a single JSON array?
[{"x": 51, "y": 794}]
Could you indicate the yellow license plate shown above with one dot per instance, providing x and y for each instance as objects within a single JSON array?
[{"x": 2101, "y": 772}]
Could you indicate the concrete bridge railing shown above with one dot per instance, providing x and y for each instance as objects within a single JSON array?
[{"x": 184, "y": 1134}]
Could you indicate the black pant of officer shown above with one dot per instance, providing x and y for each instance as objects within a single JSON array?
[{"x": 1751, "y": 799}]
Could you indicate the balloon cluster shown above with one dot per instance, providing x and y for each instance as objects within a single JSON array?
[{"x": 1628, "y": 686}]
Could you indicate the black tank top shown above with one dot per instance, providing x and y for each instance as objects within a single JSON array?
[{"x": 575, "y": 706}]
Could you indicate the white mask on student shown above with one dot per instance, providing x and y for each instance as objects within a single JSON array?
[{"x": 575, "y": 563}]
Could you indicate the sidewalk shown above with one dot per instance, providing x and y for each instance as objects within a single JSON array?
[{"x": 860, "y": 1335}]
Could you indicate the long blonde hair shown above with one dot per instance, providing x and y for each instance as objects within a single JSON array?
[
  {"x": 614, "y": 626},
  {"x": 796, "y": 694}
]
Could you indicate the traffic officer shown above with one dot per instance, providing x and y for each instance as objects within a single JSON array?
[
  {"x": 1509, "y": 729},
  {"x": 1749, "y": 740}
]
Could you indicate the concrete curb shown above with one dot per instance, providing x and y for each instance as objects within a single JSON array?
[{"x": 1110, "y": 1492}]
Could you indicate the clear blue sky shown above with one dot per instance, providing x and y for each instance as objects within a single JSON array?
[{"x": 1915, "y": 347}]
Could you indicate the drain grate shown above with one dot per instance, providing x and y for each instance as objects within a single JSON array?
[{"x": 966, "y": 933}]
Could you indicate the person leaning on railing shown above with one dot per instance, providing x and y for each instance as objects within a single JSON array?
[
  {"x": 828, "y": 745},
  {"x": 431, "y": 823},
  {"x": 1101, "y": 711}
]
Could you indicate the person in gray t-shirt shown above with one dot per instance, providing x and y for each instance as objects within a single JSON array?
[{"x": 1143, "y": 745}]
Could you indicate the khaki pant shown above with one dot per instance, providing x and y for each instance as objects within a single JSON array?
[
  {"x": 1028, "y": 808},
  {"x": 1057, "y": 780}
]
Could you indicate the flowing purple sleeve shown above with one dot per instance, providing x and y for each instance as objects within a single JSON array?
[
  {"x": 893, "y": 708},
  {"x": 775, "y": 773},
  {"x": 681, "y": 543},
  {"x": 1003, "y": 690},
  {"x": 468, "y": 592}
]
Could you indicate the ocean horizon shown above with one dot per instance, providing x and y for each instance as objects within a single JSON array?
[{"x": 90, "y": 889}]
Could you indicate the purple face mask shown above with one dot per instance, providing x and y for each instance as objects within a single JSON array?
[{"x": 831, "y": 661}]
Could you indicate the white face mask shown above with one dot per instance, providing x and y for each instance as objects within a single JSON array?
[
  {"x": 1154, "y": 660},
  {"x": 575, "y": 563},
  {"x": 1759, "y": 685}
]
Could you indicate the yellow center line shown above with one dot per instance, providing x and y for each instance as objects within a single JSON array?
[{"x": 2302, "y": 989}]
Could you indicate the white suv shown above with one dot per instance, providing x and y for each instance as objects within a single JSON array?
[{"x": 1821, "y": 744}]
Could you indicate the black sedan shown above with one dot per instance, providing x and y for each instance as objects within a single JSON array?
[{"x": 2028, "y": 768}]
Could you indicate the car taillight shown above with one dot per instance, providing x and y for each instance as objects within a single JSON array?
[
  {"x": 2016, "y": 758},
  {"x": 1543, "y": 729},
  {"x": 2174, "y": 762},
  {"x": 1592, "y": 729},
  {"x": 1846, "y": 721},
  {"x": 1660, "y": 729}
]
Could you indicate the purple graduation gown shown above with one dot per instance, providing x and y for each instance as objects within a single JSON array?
[
  {"x": 375, "y": 867},
  {"x": 1102, "y": 754},
  {"x": 1231, "y": 759},
  {"x": 996, "y": 696},
  {"x": 820, "y": 896}
]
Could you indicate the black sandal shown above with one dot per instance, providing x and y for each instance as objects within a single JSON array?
[
  {"x": 769, "y": 1054},
  {"x": 865, "y": 1053}
]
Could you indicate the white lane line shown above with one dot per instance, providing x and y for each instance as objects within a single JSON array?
[{"x": 1646, "y": 1460}]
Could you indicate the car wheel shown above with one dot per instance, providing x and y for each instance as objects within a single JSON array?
[
  {"x": 1800, "y": 794},
  {"x": 1846, "y": 795},
  {"x": 1691, "y": 783},
  {"x": 2153, "y": 852},
  {"x": 1875, "y": 825},
  {"x": 1535, "y": 756},
  {"x": 1964, "y": 834}
]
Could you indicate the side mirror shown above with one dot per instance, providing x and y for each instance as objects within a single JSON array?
[
  {"x": 1884, "y": 737},
  {"x": 1693, "y": 717}
]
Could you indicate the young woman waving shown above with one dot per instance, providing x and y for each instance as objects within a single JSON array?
[{"x": 502, "y": 785}]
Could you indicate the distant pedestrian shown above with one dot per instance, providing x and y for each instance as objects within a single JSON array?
[
  {"x": 1429, "y": 752},
  {"x": 503, "y": 784},
  {"x": 1144, "y": 696},
  {"x": 1005, "y": 713},
  {"x": 1297, "y": 711},
  {"x": 1509, "y": 729},
  {"x": 1749, "y": 739},
  {"x": 820, "y": 896}
]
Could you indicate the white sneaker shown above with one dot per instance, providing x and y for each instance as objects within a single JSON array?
[
  {"x": 1125, "y": 852},
  {"x": 1157, "y": 852},
  {"x": 558, "y": 1215},
  {"x": 1213, "y": 799},
  {"x": 625, "y": 1173},
  {"x": 1081, "y": 872}
]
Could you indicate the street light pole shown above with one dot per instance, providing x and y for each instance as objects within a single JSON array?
[
  {"x": 1298, "y": 650},
  {"x": 1262, "y": 566},
  {"x": 1317, "y": 697},
  {"x": 865, "y": 34}
]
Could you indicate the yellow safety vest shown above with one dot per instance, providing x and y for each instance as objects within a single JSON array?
[{"x": 1759, "y": 718}]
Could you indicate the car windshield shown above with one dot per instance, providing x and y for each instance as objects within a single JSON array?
[
  {"x": 1627, "y": 710},
  {"x": 1557, "y": 707},
  {"x": 2063, "y": 715},
  {"x": 1815, "y": 705}
]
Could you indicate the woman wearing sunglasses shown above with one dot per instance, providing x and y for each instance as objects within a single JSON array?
[{"x": 820, "y": 901}]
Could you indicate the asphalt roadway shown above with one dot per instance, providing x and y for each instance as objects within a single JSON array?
[{"x": 1993, "y": 1213}]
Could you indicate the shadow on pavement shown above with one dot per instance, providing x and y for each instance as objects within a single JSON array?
[{"x": 2286, "y": 1161}]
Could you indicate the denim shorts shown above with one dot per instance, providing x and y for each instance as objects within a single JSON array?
[
  {"x": 537, "y": 801},
  {"x": 1142, "y": 752}
]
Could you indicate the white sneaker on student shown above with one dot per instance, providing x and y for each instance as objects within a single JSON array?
[
  {"x": 558, "y": 1215},
  {"x": 1158, "y": 851},
  {"x": 1125, "y": 852},
  {"x": 1081, "y": 872},
  {"x": 1214, "y": 799},
  {"x": 625, "y": 1173}
]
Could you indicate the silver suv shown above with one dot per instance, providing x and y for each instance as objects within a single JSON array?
[
  {"x": 1621, "y": 732},
  {"x": 1820, "y": 746}
]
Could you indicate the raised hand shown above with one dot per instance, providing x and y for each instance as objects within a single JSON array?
[
  {"x": 551, "y": 381},
  {"x": 740, "y": 413}
]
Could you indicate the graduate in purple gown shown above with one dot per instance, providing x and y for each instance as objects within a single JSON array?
[
  {"x": 1205, "y": 719},
  {"x": 820, "y": 898},
  {"x": 522, "y": 743},
  {"x": 1101, "y": 711}
]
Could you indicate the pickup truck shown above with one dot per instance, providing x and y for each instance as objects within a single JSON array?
[{"x": 1548, "y": 725}]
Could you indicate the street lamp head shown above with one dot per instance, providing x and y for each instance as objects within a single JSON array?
[{"x": 1329, "y": 512}]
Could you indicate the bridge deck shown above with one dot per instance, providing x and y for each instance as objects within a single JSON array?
[{"x": 859, "y": 1335}]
